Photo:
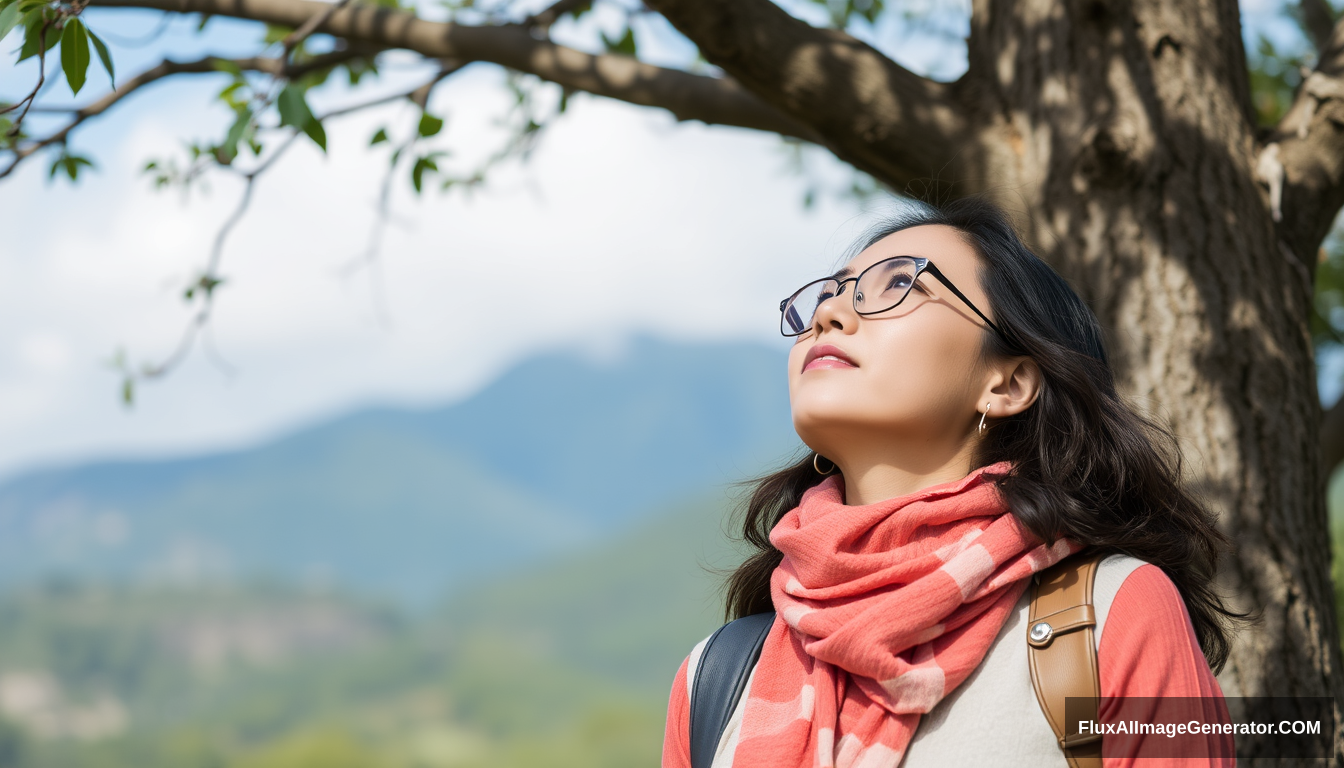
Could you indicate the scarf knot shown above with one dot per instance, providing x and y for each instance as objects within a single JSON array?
[{"x": 882, "y": 610}]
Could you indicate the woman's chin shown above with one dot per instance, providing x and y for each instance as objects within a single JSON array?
[{"x": 829, "y": 418}]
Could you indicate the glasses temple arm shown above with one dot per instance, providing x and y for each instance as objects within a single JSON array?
[{"x": 931, "y": 269}]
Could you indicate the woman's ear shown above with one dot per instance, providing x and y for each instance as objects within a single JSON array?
[{"x": 1014, "y": 388}]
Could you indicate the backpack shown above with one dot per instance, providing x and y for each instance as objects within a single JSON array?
[{"x": 1061, "y": 652}]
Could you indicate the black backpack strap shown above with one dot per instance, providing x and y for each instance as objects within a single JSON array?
[{"x": 720, "y": 677}]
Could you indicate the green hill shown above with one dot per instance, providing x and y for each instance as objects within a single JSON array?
[{"x": 566, "y": 663}]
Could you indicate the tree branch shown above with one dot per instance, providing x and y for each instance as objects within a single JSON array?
[
  {"x": 1309, "y": 144},
  {"x": 870, "y": 111},
  {"x": 717, "y": 101},
  {"x": 168, "y": 68}
]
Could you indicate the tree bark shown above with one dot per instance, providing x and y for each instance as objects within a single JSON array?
[{"x": 1123, "y": 134}]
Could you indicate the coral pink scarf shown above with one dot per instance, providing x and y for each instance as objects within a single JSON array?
[{"x": 883, "y": 609}]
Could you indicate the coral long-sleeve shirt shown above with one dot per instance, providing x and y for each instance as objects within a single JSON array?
[{"x": 1148, "y": 648}]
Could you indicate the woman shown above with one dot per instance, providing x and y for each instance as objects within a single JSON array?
[{"x": 966, "y": 434}]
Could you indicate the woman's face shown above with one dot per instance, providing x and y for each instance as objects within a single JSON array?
[{"x": 909, "y": 377}]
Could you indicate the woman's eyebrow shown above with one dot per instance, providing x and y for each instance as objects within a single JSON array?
[{"x": 846, "y": 272}]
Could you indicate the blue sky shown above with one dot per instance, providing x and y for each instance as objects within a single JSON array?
[{"x": 623, "y": 221}]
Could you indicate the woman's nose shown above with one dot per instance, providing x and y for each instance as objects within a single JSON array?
[{"x": 836, "y": 312}]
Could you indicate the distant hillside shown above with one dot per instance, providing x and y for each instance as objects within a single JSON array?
[
  {"x": 558, "y": 452},
  {"x": 565, "y": 664},
  {"x": 628, "y": 610}
]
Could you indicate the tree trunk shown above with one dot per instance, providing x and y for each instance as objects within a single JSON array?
[{"x": 1123, "y": 136}]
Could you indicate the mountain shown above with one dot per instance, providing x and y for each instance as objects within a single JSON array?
[{"x": 560, "y": 451}]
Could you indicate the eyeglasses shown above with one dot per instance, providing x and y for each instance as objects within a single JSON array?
[{"x": 876, "y": 289}]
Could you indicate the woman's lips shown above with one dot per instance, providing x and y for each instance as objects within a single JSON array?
[
  {"x": 827, "y": 362},
  {"x": 827, "y": 356}
]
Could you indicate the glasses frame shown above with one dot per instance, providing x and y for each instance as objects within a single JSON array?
[{"x": 922, "y": 265}]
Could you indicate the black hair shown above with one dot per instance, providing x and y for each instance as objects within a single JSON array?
[{"x": 1085, "y": 466}]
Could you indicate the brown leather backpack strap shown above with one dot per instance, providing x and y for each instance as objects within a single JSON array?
[{"x": 1062, "y": 653}]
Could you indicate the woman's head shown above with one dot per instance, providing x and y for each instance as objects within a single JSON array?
[
  {"x": 902, "y": 356},
  {"x": 1084, "y": 465}
]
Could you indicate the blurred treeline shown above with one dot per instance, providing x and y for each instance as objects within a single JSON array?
[{"x": 565, "y": 664}]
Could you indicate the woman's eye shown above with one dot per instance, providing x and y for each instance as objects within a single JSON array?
[{"x": 898, "y": 282}]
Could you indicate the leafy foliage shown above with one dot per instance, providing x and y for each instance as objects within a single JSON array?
[
  {"x": 1275, "y": 77},
  {"x": 70, "y": 164}
]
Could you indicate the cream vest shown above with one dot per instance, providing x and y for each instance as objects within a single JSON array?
[{"x": 993, "y": 717}]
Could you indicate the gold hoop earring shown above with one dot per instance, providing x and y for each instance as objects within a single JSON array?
[
  {"x": 981, "y": 428},
  {"x": 817, "y": 467}
]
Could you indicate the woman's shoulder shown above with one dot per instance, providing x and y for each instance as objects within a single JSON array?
[
  {"x": 1148, "y": 646},
  {"x": 1113, "y": 572},
  {"x": 1145, "y": 596}
]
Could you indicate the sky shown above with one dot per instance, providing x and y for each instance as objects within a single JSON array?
[{"x": 621, "y": 222}]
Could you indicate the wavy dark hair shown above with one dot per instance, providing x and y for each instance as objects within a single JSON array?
[{"x": 1086, "y": 466}]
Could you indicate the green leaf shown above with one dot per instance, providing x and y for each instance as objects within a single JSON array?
[
  {"x": 104, "y": 56},
  {"x": 293, "y": 108},
  {"x": 379, "y": 137},
  {"x": 430, "y": 125},
  {"x": 226, "y": 95},
  {"x": 70, "y": 164},
  {"x": 228, "y": 150},
  {"x": 275, "y": 34},
  {"x": 205, "y": 19},
  {"x": 75, "y": 54},
  {"x": 625, "y": 45},
  {"x": 422, "y": 165},
  {"x": 73, "y": 164},
  {"x": 577, "y": 11},
  {"x": 238, "y": 128},
  {"x": 224, "y": 65},
  {"x": 9, "y": 19},
  {"x": 33, "y": 42},
  {"x": 128, "y": 391},
  {"x": 358, "y": 68},
  {"x": 316, "y": 132}
]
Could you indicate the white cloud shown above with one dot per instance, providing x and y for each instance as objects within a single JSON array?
[{"x": 622, "y": 220}]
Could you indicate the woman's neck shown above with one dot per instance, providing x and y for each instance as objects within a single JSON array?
[{"x": 873, "y": 478}]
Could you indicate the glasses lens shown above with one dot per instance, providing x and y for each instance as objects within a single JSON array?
[
  {"x": 797, "y": 314},
  {"x": 885, "y": 284}
]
